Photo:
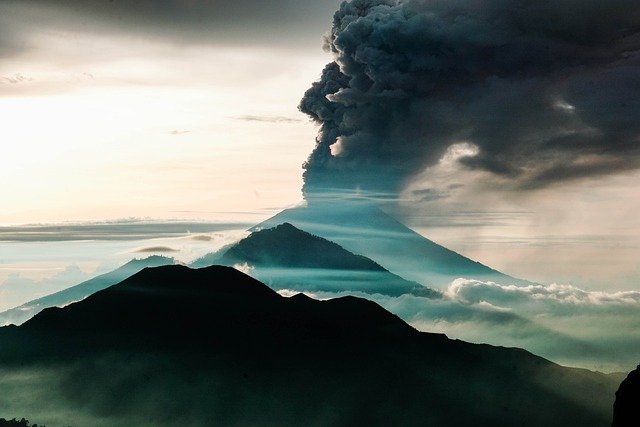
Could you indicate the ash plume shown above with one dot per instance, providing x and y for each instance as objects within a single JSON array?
[{"x": 543, "y": 92}]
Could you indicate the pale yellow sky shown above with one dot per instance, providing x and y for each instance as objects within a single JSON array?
[
  {"x": 206, "y": 129},
  {"x": 104, "y": 120}
]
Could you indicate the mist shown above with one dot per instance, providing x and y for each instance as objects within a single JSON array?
[
  {"x": 563, "y": 323},
  {"x": 40, "y": 259}
]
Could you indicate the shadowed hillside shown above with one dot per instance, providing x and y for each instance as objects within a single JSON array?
[{"x": 176, "y": 346}]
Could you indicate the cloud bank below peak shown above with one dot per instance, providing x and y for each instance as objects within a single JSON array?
[{"x": 564, "y": 323}]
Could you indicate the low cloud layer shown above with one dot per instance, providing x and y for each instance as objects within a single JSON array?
[
  {"x": 15, "y": 287},
  {"x": 473, "y": 292},
  {"x": 114, "y": 230},
  {"x": 538, "y": 93},
  {"x": 566, "y": 324}
]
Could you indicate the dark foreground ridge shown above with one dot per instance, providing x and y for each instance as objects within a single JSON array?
[
  {"x": 179, "y": 346},
  {"x": 626, "y": 409}
]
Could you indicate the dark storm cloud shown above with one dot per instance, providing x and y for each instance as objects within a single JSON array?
[
  {"x": 11, "y": 38},
  {"x": 431, "y": 194},
  {"x": 191, "y": 21},
  {"x": 546, "y": 91}
]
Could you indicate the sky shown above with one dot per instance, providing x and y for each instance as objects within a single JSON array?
[
  {"x": 501, "y": 129},
  {"x": 158, "y": 109}
]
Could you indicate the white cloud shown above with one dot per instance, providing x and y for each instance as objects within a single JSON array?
[
  {"x": 564, "y": 323},
  {"x": 245, "y": 268},
  {"x": 474, "y": 291}
]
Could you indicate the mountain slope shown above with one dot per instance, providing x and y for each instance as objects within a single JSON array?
[
  {"x": 366, "y": 230},
  {"x": 177, "y": 346},
  {"x": 287, "y": 257},
  {"x": 625, "y": 408},
  {"x": 287, "y": 246},
  {"x": 78, "y": 292},
  {"x": 173, "y": 304}
]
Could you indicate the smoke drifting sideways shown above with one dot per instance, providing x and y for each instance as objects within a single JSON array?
[{"x": 532, "y": 93}]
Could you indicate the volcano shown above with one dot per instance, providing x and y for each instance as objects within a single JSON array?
[
  {"x": 366, "y": 230},
  {"x": 173, "y": 346},
  {"x": 286, "y": 257}
]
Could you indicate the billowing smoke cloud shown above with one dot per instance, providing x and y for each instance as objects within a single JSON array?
[{"x": 541, "y": 92}]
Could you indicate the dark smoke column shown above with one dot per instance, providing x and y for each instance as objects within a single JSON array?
[
  {"x": 368, "y": 142},
  {"x": 544, "y": 92},
  {"x": 322, "y": 170}
]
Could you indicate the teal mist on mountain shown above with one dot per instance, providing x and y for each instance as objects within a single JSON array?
[
  {"x": 287, "y": 257},
  {"x": 80, "y": 291},
  {"x": 398, "y": 252},
  {"x": 178, "y": 346},
  {"x": 364, "y": 229}
]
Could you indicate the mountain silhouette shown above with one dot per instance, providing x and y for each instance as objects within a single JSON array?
[
  {"x": 169, "y": 306},
  {"x": 78, "y": 292},
  {"x": 287, "y": 257},
  {"x": 178, "y": 346},
  {"x": 365, "y": 229},
  {"x": 626, "y": 408}
]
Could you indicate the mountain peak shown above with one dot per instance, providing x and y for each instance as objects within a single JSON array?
[
  {"x": 169, "y": 307},
  {"x": 289, "y": 258},
  {"x": 180, "y": 279},
  {"x": 367, "y": 230},
  {"x": 80, "y": 291},
  {"x": 173, "y": 345},
  {"x": 150, "y": 261},
  {"x": 287, "y": 246}
]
